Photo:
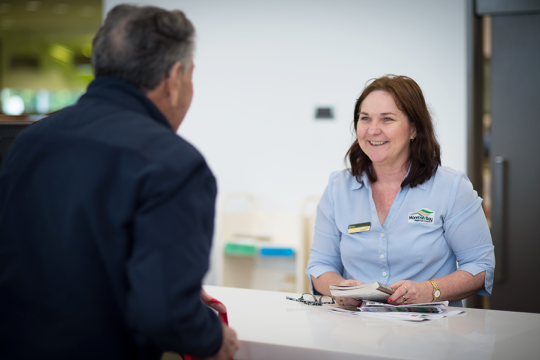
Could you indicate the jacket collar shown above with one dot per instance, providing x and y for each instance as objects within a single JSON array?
[{"x": 126, "y": 95}]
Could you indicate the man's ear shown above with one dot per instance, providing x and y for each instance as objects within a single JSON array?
[{"x": 174, "y": 83}]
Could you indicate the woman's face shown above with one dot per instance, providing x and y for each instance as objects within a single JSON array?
[{"x": 383, "y": 131}]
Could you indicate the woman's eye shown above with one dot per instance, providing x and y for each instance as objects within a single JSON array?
[
  {"x": 365, "y": 118},
  {"x": 388, "y": 119}
]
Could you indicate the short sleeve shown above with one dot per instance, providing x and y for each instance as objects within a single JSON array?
[
  {"x": 325, "y": 253},
  {"x": 467, "y": 232}
]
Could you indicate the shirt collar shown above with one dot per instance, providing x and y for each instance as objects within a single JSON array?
[
  {"x": 355, "y": 184},
  {"x": 364, "y": 180},
  {"x": 420, "y": 186}
]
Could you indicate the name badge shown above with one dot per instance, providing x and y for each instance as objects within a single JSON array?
[{"x": 355, "y": 228}]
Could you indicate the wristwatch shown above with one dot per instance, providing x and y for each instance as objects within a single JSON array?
[{"x": 436, "y": 290}]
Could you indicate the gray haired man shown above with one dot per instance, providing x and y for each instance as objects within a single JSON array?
[{"x": 106, "y": 214}]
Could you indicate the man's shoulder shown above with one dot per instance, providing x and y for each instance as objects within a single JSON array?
[
  {"x": 116, "y": 131},
  {"x": 157, "y": 144}
]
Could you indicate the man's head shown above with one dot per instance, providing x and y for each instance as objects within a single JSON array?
[{"x": 152, "y": 49}]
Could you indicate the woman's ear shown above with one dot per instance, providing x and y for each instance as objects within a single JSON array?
[{"x": 413, "y": 132}]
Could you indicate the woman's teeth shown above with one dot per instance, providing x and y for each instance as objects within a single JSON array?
[{"x": 377, "y": 142}]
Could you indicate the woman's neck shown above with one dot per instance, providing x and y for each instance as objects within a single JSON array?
[{"x": 390, "y": 175}]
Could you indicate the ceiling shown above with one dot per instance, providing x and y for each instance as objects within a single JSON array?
[{"x": 50, "y": 16}]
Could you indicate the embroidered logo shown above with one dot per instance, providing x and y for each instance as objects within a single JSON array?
[{"x": 422, "y": 216}]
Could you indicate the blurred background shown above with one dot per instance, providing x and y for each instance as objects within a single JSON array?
[
  {"x": 275, "y": 85},
  {"x": 264, "y": 71},
  {"x": 45, "y": 49}
]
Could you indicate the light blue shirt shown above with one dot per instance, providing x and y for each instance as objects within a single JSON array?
[{"x": 428, "y": 229}]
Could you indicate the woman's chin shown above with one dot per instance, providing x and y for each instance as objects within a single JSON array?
[{"x": 377, "y": 160}]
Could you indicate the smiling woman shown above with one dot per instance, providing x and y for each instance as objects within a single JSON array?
[
  {"x": 400, "y": 104},
  {"x": 420, "y": 218}
]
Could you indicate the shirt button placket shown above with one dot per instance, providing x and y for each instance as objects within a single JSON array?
[{"x": 383, "y": 248}]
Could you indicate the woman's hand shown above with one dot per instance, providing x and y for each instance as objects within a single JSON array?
[
  {"x": 411, "y": 292},
  {"x": 348, "y": 301}
]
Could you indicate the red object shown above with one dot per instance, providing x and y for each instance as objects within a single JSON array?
[
  {"x": 222, "y": 316},
  {"x": 389, "y": 300}
]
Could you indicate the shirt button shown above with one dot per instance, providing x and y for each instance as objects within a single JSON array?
[
  {"x": 384, "y": 274},
  {"x": 382, "y": 256},
  {"x": 382, "y": 234}
]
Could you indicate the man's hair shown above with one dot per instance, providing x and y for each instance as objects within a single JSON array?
[
  {"x": 141, "y": 44},
  {"x": 425, "y": 152}
]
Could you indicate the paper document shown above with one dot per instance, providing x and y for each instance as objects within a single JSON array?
[{"x": 409, "y": 312}]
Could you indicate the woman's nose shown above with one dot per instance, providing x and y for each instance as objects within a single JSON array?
[{"x": 374, "y": 128}]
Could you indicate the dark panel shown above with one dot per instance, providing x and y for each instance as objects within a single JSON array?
[
  {"x": 474, "y": 111},
  {"x": 24, "y": 62},
  {"x": 474, "y": 98},
  {"x": 515, "y": 159},
  {"x": 9, "y": 130},
  {"x": 506, "y": 7},
  {"x": 1, "y": 66}
]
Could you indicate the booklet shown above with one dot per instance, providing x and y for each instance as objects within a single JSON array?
[{"x": 373, "y": 291}]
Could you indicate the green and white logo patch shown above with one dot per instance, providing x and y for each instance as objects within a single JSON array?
[{"x": 422, "y": 216}]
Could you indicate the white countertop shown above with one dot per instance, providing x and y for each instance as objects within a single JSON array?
[{"x": 271, "y": 327}]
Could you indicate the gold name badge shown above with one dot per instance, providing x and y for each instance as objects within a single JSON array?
[{"x": 354, "y": 228}]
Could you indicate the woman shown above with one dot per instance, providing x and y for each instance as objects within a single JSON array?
[{"x": 397, "y": 216}]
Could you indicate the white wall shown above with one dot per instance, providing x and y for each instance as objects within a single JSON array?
[{"x": 263, "y": 66}]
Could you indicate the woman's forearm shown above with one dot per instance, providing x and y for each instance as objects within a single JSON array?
[
  {"x": 455, "y": 286},
  {"x": 459, "y": 285},
  {"x": 323, "y": 282}
]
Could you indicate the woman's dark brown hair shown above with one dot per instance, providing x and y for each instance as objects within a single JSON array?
[{"x": 425, "y": 152}]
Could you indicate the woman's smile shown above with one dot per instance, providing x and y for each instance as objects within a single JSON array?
[{"x": 377, "y": 143}]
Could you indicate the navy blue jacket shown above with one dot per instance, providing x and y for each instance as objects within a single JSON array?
[{"x": 106, "y": 223}]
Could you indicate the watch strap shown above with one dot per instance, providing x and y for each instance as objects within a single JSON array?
[{"x": 436, "y": 290}]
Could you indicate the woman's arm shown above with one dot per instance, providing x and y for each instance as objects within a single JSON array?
[
  {"x": 323, "y": 282},
  {"x": 455, "y": 286},
  {"x": 324, "y": 264},
  {"x": 468, "y": 236}
]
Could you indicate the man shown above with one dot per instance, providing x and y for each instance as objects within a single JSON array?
[{"x": 106, "y": 215}]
